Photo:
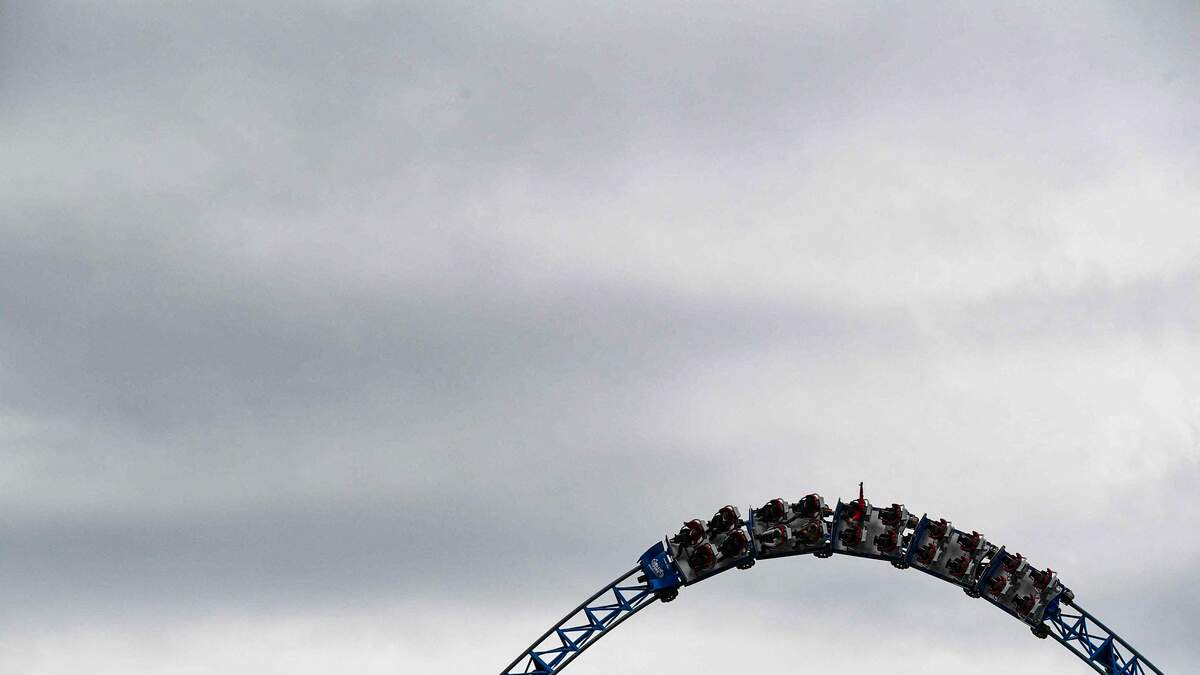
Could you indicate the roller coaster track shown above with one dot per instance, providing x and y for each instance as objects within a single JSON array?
[
  {"x": 659, "y": 575},
  {"x": 585, "y": 625}
]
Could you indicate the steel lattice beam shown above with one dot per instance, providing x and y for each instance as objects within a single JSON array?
[
  {"x": 583, "y": 626},
  {"x": 1095, "y": 644}
]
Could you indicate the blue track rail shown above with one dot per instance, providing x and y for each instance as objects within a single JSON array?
[
  {"x": 1095, "y": 644},
  {"x": 584, "y": 625},
  {"x": 658, "y": 577}
]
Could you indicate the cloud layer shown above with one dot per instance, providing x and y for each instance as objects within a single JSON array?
[{"x": 332, "y": 333}]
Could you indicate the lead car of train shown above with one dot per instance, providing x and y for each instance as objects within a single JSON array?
[{"x": 777, "y": 529}]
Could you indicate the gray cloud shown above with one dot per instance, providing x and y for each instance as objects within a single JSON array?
[{"x": 328, "y": 330}]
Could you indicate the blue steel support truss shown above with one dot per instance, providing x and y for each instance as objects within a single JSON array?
[
  {"x": 584, "y": 625},
  {"x": 1095, "y": 644}
]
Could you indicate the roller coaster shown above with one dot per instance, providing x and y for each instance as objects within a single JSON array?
[{"x": 703, "y": 549}]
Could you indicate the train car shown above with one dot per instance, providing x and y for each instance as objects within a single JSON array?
[
  {"x": 1020, "y": 589},
  {"x": 702, "y": 549},
  {"x": 950, "y": 554},
  {"x": 866, "y": 531},
  {"x": 660, "y": 573},
  {"x": 779, "y": 529}
]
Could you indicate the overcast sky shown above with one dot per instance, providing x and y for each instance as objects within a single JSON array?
[{"x": 357, "y": 337}]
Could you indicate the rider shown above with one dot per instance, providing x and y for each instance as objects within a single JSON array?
[
  {"x": 773, "y": 511},
  {"x": 690, "y": 534},
  {"x": 725, "y": 519},
  {"x": 735, "y": 544},
  {"x": 886, "y": 541},
  {"x": 775, "y": 536}
]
